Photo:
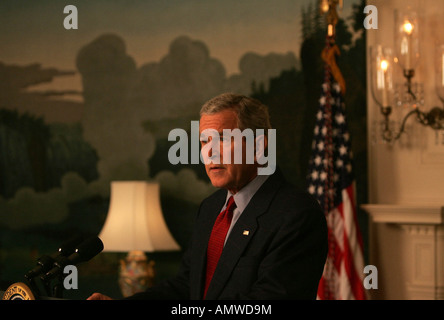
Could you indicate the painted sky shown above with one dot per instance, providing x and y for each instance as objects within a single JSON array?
[{"x": 32, "y": 31}]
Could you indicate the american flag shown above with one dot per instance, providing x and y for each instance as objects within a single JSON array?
[{"x": 331, "y": 181}]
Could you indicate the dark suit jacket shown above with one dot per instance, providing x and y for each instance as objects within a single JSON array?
[{"x": 281, "y": 257}]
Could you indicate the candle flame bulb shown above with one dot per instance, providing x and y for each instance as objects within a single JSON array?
[{"x": 408, "y": 27}]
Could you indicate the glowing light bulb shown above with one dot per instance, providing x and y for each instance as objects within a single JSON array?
[{"x": 407, "y": 27}]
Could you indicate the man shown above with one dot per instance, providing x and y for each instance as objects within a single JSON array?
[{"x": 276, "y": 243}]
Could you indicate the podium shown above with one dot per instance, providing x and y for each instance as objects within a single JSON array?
[{"x": 21, "y": 291}]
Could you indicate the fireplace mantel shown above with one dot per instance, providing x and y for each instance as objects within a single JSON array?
[
  {"x": 405, "y": 214},
  {"x": 407, "y": 247}
]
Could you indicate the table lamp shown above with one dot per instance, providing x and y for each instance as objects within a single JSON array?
[{"x": 135, "y": 224}]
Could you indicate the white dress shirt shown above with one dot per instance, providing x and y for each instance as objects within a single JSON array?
[{"x": 242, "y": 198}]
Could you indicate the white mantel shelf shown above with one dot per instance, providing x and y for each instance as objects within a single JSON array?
[{"x": 405, "y": 214}]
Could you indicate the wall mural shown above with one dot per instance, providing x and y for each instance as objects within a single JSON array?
[{"x": 82, "y": 107}]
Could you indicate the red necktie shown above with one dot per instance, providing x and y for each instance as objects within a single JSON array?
[{"x": 217, "y": 240}]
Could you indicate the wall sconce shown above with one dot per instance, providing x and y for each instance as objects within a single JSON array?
[
  {"x": 135, "y": 224},
  {"x": 397, "y": 99}
]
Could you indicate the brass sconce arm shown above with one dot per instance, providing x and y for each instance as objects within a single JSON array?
[{"x": 434, "y": 119}]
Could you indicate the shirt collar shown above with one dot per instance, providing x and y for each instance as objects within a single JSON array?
[{"x": 244, "y": 195}]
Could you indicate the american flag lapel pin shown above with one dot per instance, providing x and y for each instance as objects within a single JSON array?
[{"x": 246, "y": 233}]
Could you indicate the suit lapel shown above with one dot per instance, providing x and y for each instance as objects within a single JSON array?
[
  {"x": 202, "y": 236},
  {"x": 238, "y": 240}
]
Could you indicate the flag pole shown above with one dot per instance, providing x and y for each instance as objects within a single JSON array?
[
  {"x": 331, "y": 179},
  {"x": 328, "y": 55},
  {"x": 331, "y": 49}
]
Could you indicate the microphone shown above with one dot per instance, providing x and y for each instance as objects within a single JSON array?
[
  {"x": 87, "y": 250},
  {"x": 45, "y": 263}
]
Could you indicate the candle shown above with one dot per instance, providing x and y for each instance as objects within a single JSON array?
[
  {"x": 384, "y": 66},
  {"x": 408, "y": 29},
  {"x": 442, "y": 71}
]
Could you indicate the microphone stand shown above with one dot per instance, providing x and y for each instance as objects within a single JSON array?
[
  {"x": 32, "y": 285},
  {"x": 58, "y": 287},
  {"x": 52, "y": 287}
]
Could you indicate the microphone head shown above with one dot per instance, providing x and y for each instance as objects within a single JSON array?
[
  {"x": 69, "y": 246},
  {"x": 45, "y": 263},
  {"x": 88, "y": 249}
]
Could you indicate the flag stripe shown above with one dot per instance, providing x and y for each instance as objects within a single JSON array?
[{"x": 353, "y": 251}]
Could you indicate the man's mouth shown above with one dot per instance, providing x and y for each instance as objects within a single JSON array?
[{"x": 216, "y": 168}]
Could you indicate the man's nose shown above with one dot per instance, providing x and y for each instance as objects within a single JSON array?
[
  {"x": 212, "y": 152},
  {"x": 215, "y": 150}
]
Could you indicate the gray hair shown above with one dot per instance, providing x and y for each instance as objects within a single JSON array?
[{"x": 251, "y": 113}]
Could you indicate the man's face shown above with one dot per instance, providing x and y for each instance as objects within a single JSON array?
[{"x": 225, "y": 175}]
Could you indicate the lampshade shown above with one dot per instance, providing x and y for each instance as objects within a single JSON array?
[{"x": 135, "y": 220}]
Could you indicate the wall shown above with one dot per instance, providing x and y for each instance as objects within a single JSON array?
[
  {"x": 411, "y": 171},
  {"x": 408, "y": 173}
]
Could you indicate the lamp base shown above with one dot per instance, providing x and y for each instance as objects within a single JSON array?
[{"x": 136, "y": 273}]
